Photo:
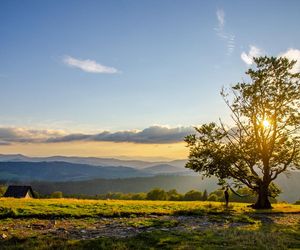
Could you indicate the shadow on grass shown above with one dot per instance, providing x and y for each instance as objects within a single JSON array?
[
  {"x": 208, "y": 239},
  {"x": 22, "y": 213}
]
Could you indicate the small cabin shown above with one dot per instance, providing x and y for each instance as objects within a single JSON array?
[{"x": 19, "y": 192}]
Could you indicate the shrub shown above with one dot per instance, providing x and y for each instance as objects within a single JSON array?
[
  {"x": 212, "y": 197},
  {"x": 157, "y": 194},
  {"x": 56, "y": 194},
  {"x": 193, "y": 195},
  {"x": 2, "y": 190},
  {"x": 139, "y": 196}
]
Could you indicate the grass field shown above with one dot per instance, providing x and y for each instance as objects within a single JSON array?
[
  {"x": 50, "y": 208},
  {"x": 112, "y": 224}
]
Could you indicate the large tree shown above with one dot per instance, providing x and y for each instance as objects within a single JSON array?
[{"x": 263, "y": 141}]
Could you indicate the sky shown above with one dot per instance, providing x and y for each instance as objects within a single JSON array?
[{"x": 128, "y": 78}]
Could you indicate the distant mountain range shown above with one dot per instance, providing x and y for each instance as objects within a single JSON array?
[
  {"x": 63, "y": 171},
  {"x": 94, "y": 161},
  {"x": 166, "y": 169},
  {"x": 88, "y": 173},
  {"x": 62, "y": 168}
]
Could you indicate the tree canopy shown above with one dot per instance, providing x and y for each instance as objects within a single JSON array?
[{"x": 263, "y": 141}]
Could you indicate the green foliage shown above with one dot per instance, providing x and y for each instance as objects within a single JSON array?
[
  {"x": 213, "y": 197},
  {"x": 173, "y": 195},
  {"x": 2, "y": 190},
  {"x": 138, "y": 196},
  {"x": 193, "y": 195},
  {"x": 65, "y": 208},
  {"x": 152, "y": 223},
  {"x": 157, "y": 194},
  {"x": 245, "y": 195},
  {"x": 264, "y": 238},
  {"x": 36, "y": 194},
  {"x": 57, "y": 194},
  {"x": 264, "y": 141}
]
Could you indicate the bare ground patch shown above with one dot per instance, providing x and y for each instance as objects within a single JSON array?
[{"x": 92, "y": 228}]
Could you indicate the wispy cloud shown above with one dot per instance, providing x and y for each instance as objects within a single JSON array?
[
  {"x": 253, "y": 52},
  {"x": 230, "y": 44},
  {"x": 293, "y": 54},
  {"x": 89, "y": 66},
  {"x": 220, "y": 30},
  {"x": 221, "y": 18},
  {"x": 152, "y": 135}
]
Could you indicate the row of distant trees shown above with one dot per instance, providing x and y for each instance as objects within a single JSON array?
[{"x": 246, "y": 195}]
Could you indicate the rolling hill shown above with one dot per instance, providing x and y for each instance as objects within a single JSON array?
[
  {"x": 94, "y": 161},
  {"x": 70, "y": 177},
  {"x": 63, "y": 171}
]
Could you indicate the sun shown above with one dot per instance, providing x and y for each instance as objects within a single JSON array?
[{"x": 266, "y": 123}]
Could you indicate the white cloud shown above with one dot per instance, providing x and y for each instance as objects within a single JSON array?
[
  {"x": 13, "y": 134},
  {"x": 228, "y": 38},
  {"x": 89, "y": 65},
  {"x": 221, "y": 18},
  {"x": 253, "y": 52},
  {"x": 293, "y": 54},
  {"x": 152, "y": 135}
]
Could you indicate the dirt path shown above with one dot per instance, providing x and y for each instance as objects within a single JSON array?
[{"x": 91, "y": 228}]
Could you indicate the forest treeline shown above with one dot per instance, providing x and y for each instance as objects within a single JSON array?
[
  {"x": 158, "y": 194},
  {"x": 173, "y": 195},
  {"x": 141, "y": 185}
]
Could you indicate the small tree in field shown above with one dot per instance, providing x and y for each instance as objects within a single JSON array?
[
  {"x": 156, "y": 194},
  {"x": 193, "y": 195},
  {"x": 264, "y": 140},
  {"x": 57, "y": 194}
]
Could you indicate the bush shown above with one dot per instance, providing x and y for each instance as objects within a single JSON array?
[
  {"x": 193, "y": 195},
  {"x": 36, "y": 194},
  {"x": 2, "y": 190},
  {"x": 139, "y": 196},
  {"x": 56, "y": 194},
  {"x": 212, "y": 197},
  {"x": 173, "y": 195},
  {"x": 157, "y": 194}
]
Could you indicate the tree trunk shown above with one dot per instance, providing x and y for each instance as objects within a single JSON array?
[{"x": 263, "y": 198}]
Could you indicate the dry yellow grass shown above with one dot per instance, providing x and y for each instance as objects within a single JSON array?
[{"x": 10, "y": 207}]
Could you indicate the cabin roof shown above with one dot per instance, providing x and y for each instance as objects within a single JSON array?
[{"x": 18, "y": 191}]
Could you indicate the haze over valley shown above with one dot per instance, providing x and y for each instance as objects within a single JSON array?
[{"x": 92, "y": 176}]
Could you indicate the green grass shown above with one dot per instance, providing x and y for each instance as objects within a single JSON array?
[
  {"x": 152, "y": 222},
  {"x": 63, "y": 208},
  {"x": 158, "y": 222},
  {"x": 208, "y": 239}
]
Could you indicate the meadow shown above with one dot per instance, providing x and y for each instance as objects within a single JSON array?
[
  {"x": 113, "y": 224},
  {"x": 77, "y": 208}
]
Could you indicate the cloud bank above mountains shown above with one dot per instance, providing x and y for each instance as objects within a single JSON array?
[{"x": 151, "y": 135}]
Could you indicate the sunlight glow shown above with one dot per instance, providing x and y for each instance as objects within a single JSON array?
[{"x": 266, "y": 123}]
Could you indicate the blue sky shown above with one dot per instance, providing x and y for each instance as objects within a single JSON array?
[{"x": 86, "y": 66}]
